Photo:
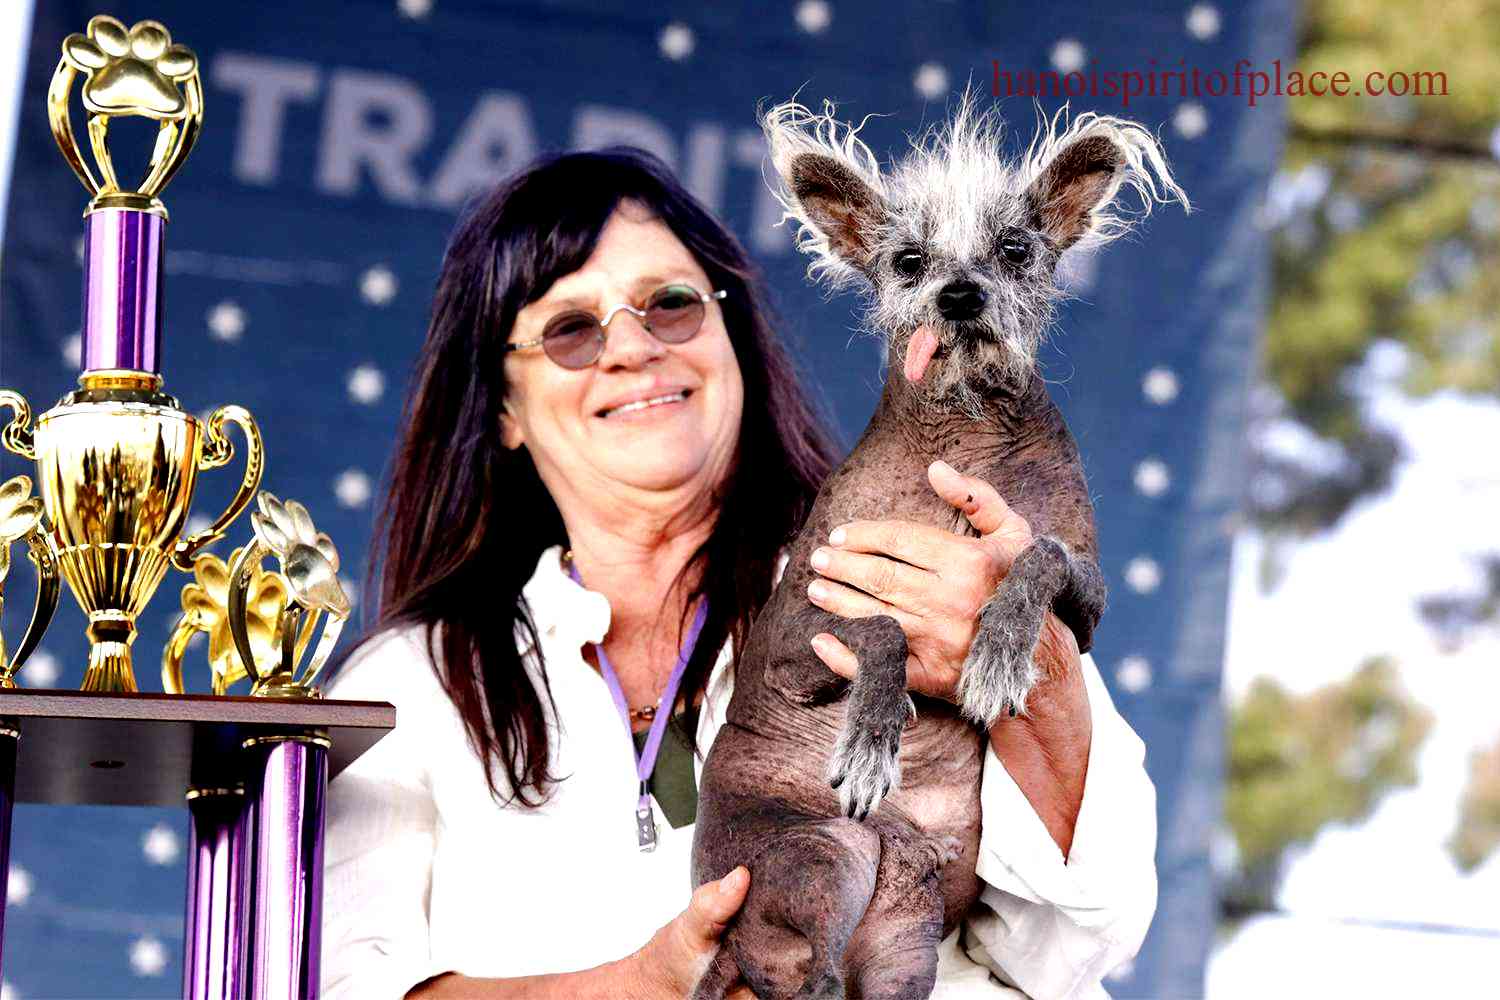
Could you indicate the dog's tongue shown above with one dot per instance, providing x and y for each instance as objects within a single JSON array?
[{"x": 919, "y": 351}]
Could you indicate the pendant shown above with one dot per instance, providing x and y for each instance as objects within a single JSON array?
[{"x": 645, "y": 828}]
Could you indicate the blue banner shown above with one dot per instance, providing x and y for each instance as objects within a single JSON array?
[{"x": 340, "y": 142}]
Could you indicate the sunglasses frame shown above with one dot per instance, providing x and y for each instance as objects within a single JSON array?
[{"x": 603, "y": 325}]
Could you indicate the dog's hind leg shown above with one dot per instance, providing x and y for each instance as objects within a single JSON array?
[
  {"x": 893, "y": 955},
  {"x": 1000, "y": 670},
  {"x": 808, "y": 892},
  {"x": 865, "y": 764}
]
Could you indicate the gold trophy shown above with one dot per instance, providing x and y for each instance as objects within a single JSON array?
[{"x": 117, "y": 459}]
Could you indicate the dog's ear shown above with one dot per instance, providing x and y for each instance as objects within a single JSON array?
[
  {"x": 830, "y": 185},
  {"x": 839, "y": 204},
  {"x": 1078, "y": 175}
]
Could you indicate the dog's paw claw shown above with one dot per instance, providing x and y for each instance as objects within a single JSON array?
[{"x": 865, "y": 766}]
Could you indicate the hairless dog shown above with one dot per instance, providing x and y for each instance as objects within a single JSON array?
[{"x": 855, "y": 807}]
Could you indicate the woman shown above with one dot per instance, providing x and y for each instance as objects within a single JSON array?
[{"x": 606, "y": 443}]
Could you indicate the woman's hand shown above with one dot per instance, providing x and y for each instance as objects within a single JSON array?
[
  {"x": 933, "y": 582},
  {"x": 671, "y": 963}
]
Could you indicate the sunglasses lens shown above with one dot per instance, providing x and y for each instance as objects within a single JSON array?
[
  {"x": 674, "y": 314},
  {"x": 574, "y": 340}
]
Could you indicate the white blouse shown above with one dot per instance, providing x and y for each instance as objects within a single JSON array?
[{"x": 425, "y": 873}]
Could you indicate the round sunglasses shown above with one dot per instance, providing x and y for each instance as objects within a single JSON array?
[{"x": 673, "y": 314}]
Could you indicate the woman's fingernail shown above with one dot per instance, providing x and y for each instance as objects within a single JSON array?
[
  {"x": 836, "y": 537},
  {"x": 816, "y": 590},
  {"x": 820, "y": 641},
  {"x": 819, "y": 559}
]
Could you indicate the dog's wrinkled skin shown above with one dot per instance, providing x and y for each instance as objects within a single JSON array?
[{"x": 855, "y": 808}]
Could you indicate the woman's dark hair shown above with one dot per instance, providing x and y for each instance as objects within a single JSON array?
[{"x": 465, "y": 519}]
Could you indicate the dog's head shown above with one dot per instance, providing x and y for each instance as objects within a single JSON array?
[{"x": 959, "y": 244}]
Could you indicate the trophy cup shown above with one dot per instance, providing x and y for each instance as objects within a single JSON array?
[{"x": 117, "y": 460}]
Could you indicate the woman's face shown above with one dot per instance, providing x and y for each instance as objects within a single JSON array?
[{"x": 586, "y": 441}]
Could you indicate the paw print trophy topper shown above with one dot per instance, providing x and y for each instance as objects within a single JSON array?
[
  {"x": 309, "y": 569},
  {"x": 21, "y": 520},
  {"x": 205, "y": 608},
  {"x": 134, "y": 72}
]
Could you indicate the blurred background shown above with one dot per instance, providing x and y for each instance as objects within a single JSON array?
[{"x": 1282, "y": 400}]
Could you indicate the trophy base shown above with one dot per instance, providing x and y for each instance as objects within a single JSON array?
[{"x": 110, "y": 669}]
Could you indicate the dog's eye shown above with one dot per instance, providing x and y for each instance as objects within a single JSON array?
[
  {"x": 908, "y": 263},
  {"x": 1015, "y": 250}
]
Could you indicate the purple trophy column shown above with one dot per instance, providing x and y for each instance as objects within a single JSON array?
[
  {"x": 10, "y": 737},
  {"x": 122, "y": 267},
  {"x": 287, "y": 852},
  {"x": 213, "y": 966}
]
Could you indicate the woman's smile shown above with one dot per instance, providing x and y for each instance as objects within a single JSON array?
[{"x": 644, "y": 406}]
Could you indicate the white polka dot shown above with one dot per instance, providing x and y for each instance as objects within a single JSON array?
[
  {"x": 366, "y": 384},
  {"x": 1142, "y": 574},
  {"x": 197, "y": 523},
  {"x": 41, "y": 669},
  {"x": 1152, "y": 477},
  {"x": 1134, "y": 674},
  {"x": 1203, "y": 21},
  {"x": 1122, "y": 971},
  {"x": 676, "y": 41},
  {"x": 1077, "y": 272},
  {"x": 1190, "y": 120},
  {"x": 1069, "y": 55},
  {"x": 814, "y": 16},
  {"x": 1160, "y": 385},
  {"x": 931, "y": 81},
  {"x": 378, "y": 285},
  {"x": 147, "y": 956},
  {"x": 351, "y": 590},
  {"x": 414, "y": 8},
  {"x": 18, "y": 886},
  {"x": 72, "y": 350},
  {"x": 78, "y": 250},
  {"x": 226, "y": 321},
  {"x": 352, "y": 488},
  {"x": 160, "y": 845}
]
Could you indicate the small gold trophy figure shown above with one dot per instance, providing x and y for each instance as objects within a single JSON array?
[{"x": 117, "y": 459}]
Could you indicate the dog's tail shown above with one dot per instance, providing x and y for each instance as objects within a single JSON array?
[{"x": 720, "y": 975}]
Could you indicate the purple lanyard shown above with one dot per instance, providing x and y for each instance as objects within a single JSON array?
[{"x": 646, "y": 762}]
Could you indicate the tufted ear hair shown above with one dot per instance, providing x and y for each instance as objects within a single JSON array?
[
  {"x": 1076, "y": 176},
  {"x": 830, "y": 185}
]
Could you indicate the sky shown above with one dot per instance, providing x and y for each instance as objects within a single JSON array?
[{"x": 1344, "y": 595}]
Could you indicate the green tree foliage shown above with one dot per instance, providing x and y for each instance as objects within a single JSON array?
[
  {"x": 1387, "y": 229},
  {"x": 1299, "y": 762},
  {"x": 1400, "y": 239}
]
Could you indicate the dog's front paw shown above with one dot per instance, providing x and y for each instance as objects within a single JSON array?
[
  {"x": 866, "y": 765},
  {"x": 999, "y": 673}
]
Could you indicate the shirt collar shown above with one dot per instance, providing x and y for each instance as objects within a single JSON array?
[{"x": 561, "y": 606}]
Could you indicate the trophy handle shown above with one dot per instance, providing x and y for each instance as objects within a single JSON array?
[
  {"x": 332, "y": 626},
  {"x": 183, "y": 631},
  {"x": 62, "y": 127},
  {"x": 240, "y": 572},
  {"x": 47, "y": 590},
  {"x": 17, "y": 436},
  {"x": 217, "y": 451}
]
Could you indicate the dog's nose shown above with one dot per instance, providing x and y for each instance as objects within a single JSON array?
[{"x": 960, "y": 301}]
